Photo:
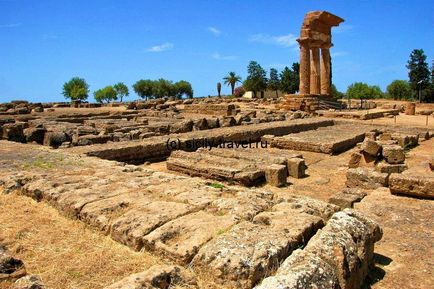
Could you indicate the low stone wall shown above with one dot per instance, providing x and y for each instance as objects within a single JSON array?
[{"x": 158, "y": 148}]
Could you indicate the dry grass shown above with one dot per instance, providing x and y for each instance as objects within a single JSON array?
[{"x": 64, "y": 253}]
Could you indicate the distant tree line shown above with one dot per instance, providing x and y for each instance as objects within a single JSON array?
[
  {"x": 420, "y": 83},
  {"x": 286, "y": 81},
  {"x": 77, "y": 89}
]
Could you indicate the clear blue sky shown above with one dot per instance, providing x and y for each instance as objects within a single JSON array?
[{"x": 44, "y": 43}]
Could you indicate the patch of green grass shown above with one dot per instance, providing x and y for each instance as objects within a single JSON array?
[
  {"x": 221, "y": 231},
  {"x": 216, "y": 186}
]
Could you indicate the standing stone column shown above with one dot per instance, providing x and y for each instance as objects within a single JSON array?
[
  {"x": 315, "y": 84},
  {"x": 304, "y": 68},
  {"x": 325, "y": 70}
]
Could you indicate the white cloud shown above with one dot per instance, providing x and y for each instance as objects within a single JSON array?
[
  {"x": 282, "y": 40},
  {"x": 214, "y": 31},
  {"x": 217, "y": 56},
  {"x": 339, "y": 53},
  {"x": 10, "y": 25},
  {"x": 342, "y": 28},
  {"x": 160, "y": 48}
]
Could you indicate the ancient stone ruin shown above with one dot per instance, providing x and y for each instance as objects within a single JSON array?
[{"x": 315, "y": 64}]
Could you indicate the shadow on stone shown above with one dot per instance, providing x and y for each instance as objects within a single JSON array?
[{"x": 377, "y": 273}]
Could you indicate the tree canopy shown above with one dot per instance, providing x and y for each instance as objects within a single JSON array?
[
  {"x": 121, "y": 90},
  {"x": 290, "y": 79},
  {"x": 183, "y": 87},
  {"x": 418, "y": 72},
  {"x": 256, "y": 78},
  {"x": 160, "y": 88},
  {"x": 360, "y": 90},
  {"x": 232, "y": 79},
  {"x": 274, "y": 81},
  {"x": 106, "y": 94},
  {"x": 76, "y": 89},
  {"x": 399, "y": 89}
]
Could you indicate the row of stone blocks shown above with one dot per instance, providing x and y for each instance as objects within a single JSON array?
[
  {"x": 244, "y": 166},
  {"x": 338, "y": 256}
]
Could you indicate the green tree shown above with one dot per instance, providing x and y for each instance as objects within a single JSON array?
[
  {"x": 399, "y": 89},
  {"x": 183, "y": 88},
  {"x": 286, "y": 80},
  {"x": 418, "y": 72},
  {"x": 295, "y": 77},
  {"x": 360, "y": 90},
  {"x": 163, "y": 88},
  {"x": 76, "y": 89},
  {"x": 106, "y": 94},
  {"x": 232, "y": 79},
  {"x": 256, "y": 78},
  {"x": 274, "y": 81},
  {"x": 335, "y": 93},
  {"x": 145, "y": 88},
  {"x": 121, "y": 90}
]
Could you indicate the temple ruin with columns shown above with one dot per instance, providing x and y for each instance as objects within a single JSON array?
[{"x": 315, "y": 63}]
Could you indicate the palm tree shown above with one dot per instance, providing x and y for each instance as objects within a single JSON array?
[{"x": 231, "y": 80}]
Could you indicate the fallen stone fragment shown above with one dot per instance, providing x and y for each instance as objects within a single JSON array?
[
  {"x": 157, "y": 277},
  {"x": 296, "y": 168},
  {"x": 275, "y": 175},
  {"x": 394, "y": 154},
  {"x": 29, "y": 282},
  {"x": 366, "y": 178},
  {"x": 338, "y": 256},
  {"x": 347, "y": 197},
  {"x": 355, "y": 159},
  {"x": 10, "y": 268},
  {"x": 384, "y": 167},
  {"x": 412, "y": 185},
  {"x": 371, "y": 147}
]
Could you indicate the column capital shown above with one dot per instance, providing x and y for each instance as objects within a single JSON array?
[{"x": 326, "y": 45}]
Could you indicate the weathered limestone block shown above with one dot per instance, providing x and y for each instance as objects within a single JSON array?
[
  {"x": 275, "y": 175},
  {"x": 182, "y": 126},
  {"x": 181, "y": 239},
  {"x": 406, "y": 140},
  {"x": 244, "y": 205},
  {"x": 347, "y": 197},
  {"x": 157, "y": 277},
  {"x": 251, "y": 251},
  {"x": 412, "y": 185},
  {"x": 371, "y": 147},
  {"x": 338, "y": 256},
  {"x": 200, "y": 124},
  {"x": 227, "y": 121},
  {"x": 296, "y": 168},
  {"x": 307, "y": 205},
  {"x": 355, "y": 159},
  {"x": 14, "y": 131},
  {"x": 29, "y": 282},
  {"x": 10, "y": 268},
  {"x": 131, "y": 227},
  {"x": 55, "y": 138},
  {"x": 302, "y": 271},
  {"x": 394, "y": 154},
  {"x": 366, "y": 178},
  {"x": 101, "y": 213},
  {"x": 93, "y": 139},
  {"x": 384, "y": 167},
  {"x": 34, "y": 134}
]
